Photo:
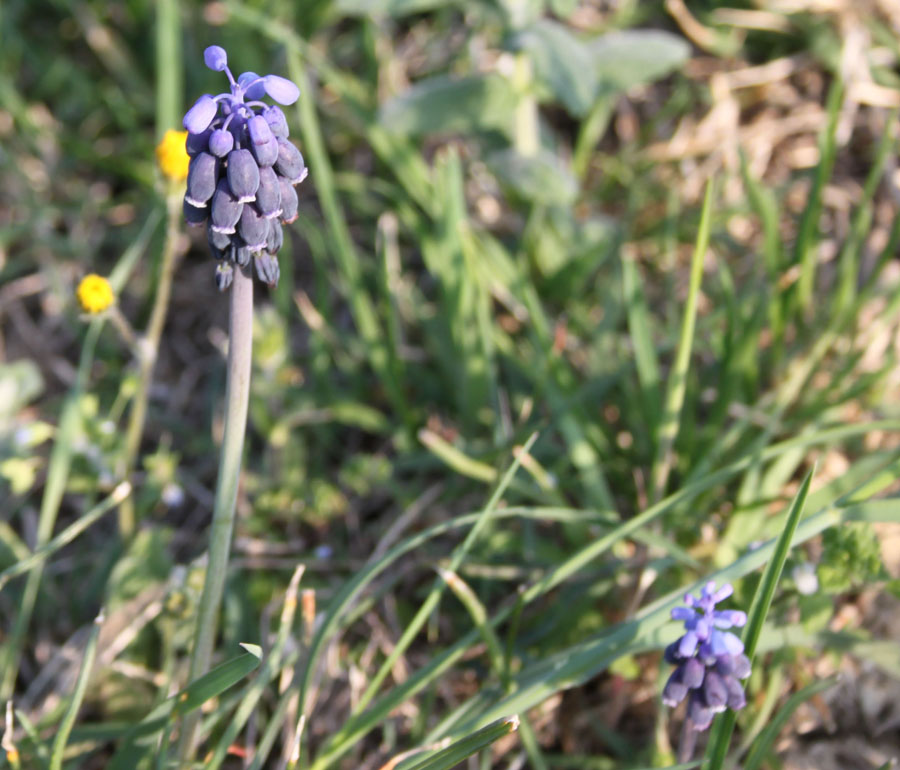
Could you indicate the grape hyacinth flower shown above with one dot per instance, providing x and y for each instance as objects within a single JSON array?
[
  {"x": 709, "y": 660},
  {"x": 243, "y": 169}
]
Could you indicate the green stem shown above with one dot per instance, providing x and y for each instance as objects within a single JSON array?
[
  {"x": 237, "y": 393},
  {"x": 148, "y": 352}
]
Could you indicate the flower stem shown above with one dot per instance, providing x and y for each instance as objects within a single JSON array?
[
  {"x": 237, "y": 393},
  {"x": 147, "y": 352}
]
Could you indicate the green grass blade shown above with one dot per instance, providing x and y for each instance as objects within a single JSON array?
[
  {"x": 676, "y": 384},
  {"x": 807, "y": 237},
  {"x": 65, "y": 537},
  {"x": 478, "y": 613},
  {"x": 450, "y": 757},
  {"x": 765, "y": 592},
  {"x": 84, "y": 675}
]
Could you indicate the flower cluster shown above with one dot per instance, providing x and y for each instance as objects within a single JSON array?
[
  {"x": 709, "y": 661},
  {"x": 242, "y": 171}
]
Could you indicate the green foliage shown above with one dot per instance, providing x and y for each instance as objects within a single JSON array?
[{"x": 851, "y": 558}]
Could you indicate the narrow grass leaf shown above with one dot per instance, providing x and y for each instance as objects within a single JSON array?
[
  {"x": 84, "y": 674},
  {"x": 676, "y": 384},
  {"x": 450, "y": 757},
  {"x": 806, "y": 247},
  {"x": 765, "y": 592},
  {"x": 65, "y": 537}
]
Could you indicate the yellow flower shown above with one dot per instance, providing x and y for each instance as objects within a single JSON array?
[
  {"x": 172, "y": 156},
  {"x": 95, "y": 294}
]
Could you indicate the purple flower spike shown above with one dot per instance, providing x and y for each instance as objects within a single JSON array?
[
  {"x": 242, "y": 171},
  {"x": 215, "y": 58},
  {"x": 198, "y": 117},
  {"x": 709, "y": 661},
  {"x": 281, "y": 89}
]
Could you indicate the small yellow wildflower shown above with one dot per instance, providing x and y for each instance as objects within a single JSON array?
[
  {"x": 172, "y": 155},
  {"x": 95, "y": 294}
]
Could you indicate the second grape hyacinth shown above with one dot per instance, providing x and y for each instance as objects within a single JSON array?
[
  {"x": 242, "y": 171},
  {"x": 709, "y": 660}
]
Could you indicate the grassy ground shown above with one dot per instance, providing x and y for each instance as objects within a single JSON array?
[{"x": 580, "y": 296}]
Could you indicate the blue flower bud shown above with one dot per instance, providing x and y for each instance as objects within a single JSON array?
[
  {"x": 243, "y": 175},
  {"x": 221, "y": 142},
  {"x": 714, "y": 692},
  {"x": 675, "y": 690},
  {"x": 253, "y": 228},
  {"x": 699, "y": 713},
  {"x": 737, "y": 666},
  {"x": 224, "y": 275},
  {"x": 218, "y": 240},
  {"x": 226, "y": 209},
  {"x": 201, "y": 181},
  {"x": 736, "y": 698},
  {"x": 254, "y": 92},
  {"x": 671, "y": 654},
  {"x": 196, "y": 143},
  {"x": 201, "y": 114},
  {"x": 290, "y": 162},
  {"x": 288, "y": 201},
  {"x": 276, "y": 120},
  {"x": 268, "y": 194},
  {"x": 693, "y": 672},
  {"x": 263, "y": 144},
  {"x": 215, "y": 58},
  {"x": 274, "y": 237},
  {"x": 267, "y": 268},
  {"x": 194, "y": 215},
  {"x": 239, "y": 253},
  {"x": 281, "y": 89}
]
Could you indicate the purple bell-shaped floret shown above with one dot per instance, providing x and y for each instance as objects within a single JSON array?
[
  {"x": 253, "y": 228},
  {"x": 276, "y": 120},
  {"x": 201, "y": 114},
  {"x": 268, "y": 194},
  {"x": 274, "y": 237},
  {"x": 224, "y": 275},
  {"x": 243, "y": 175},
  {"x": 221, "y": 142},
  {"x": 289, "y": 201},
  {"x": 226, "y": 209},
  {"x": 290, "y": 162},
  {"x": 201, "y": 180},
  {"x": 263, "y": 143},
  {"x": 194, "y": 215},
  {"x": 267, "y": 268}
]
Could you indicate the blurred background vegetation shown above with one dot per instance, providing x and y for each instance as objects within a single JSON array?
[{"x": 498, "y": 238}]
